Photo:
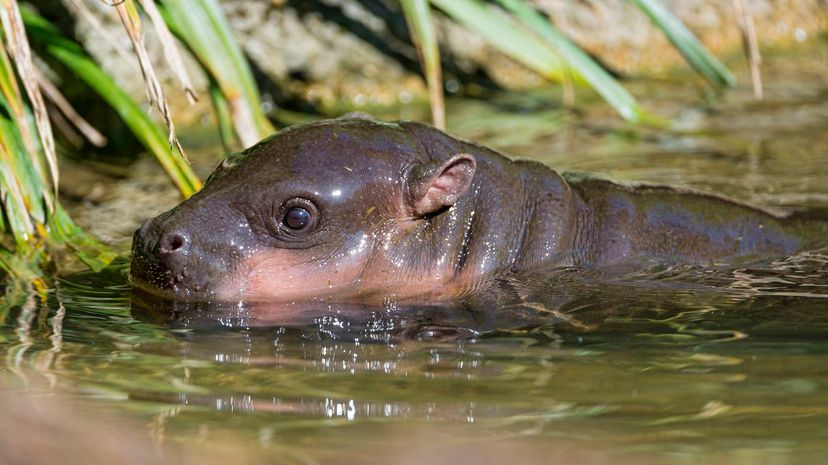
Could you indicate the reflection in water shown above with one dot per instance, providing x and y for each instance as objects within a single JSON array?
[{"x": 511, "y": 334}]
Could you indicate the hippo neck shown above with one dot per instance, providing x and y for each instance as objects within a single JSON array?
[{"x": 518, "y": 215}]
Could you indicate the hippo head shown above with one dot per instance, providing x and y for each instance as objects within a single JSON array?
[{"x": 341, "y": 209}]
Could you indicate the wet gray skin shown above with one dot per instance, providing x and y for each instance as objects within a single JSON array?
[{"x": 359, "y": 210}]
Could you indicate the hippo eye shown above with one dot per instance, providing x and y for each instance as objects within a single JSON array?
[{"x": 297, "y": 218}]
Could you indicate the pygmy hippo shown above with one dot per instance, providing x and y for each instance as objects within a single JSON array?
[{"x": 365, "y": 211}]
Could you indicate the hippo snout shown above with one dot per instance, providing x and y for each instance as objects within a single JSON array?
[{"x": 168, "y": 259}]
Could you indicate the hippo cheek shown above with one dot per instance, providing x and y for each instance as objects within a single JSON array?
[{"x": 289, "y": 275}]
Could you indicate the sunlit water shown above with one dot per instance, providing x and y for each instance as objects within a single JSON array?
[{"x": 677, "y": 365}]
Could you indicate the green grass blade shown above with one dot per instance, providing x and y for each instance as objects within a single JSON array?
[
  {"x": 223, "y": 118},
  {"x": 60, "y": 228},
  {"x": 17, "y": 44},
  {"x": 22, "y": 148},
  {"x": 23, "y": 205},
  {"x": 14, "y": 205},
  {"x": 23, "y": 189},
  {"x": 88, "y": 249},
  {"x": 202, "y": 27},
  {"x": 687, "y": 44},
  {"x": 71, "y": 55},
  {"x": 516, "y": 43},
  {"x": 418, "y": 16},
  {"x": 582, "y": 64},
  {"x": 11, "y": 92}
]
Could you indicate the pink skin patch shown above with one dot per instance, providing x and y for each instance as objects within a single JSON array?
[
  {"x": 287, "y": 275},
  {"x": 370, "y": 272}
]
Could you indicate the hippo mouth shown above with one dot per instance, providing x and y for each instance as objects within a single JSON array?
[
  {"x": 151, "y": 280},
  {"x": 150, "y": 277}
]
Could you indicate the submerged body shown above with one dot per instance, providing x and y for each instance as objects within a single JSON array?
[{"x": 358, "y": 210}]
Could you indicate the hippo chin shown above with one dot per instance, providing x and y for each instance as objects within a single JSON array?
[{"x": 364, "y": 211}]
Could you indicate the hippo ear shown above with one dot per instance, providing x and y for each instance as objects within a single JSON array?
[{"x": 435, "y": 186}]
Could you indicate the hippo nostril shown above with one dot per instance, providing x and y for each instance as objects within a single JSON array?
[{"x": 174, "y": 242}]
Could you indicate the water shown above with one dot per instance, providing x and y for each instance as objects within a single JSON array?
[{"x": 679, "y": 365}]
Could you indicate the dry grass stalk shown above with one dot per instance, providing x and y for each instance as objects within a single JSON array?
[
  {"x": 60, "y": 102},
  {"x": 750, "y": 44},
  {"x": 155, "y": 92},
  {"x": 243, "y": 121},
  {"x": 18, "y": 45},
  {"x": 82, "y": 10},
  {"x": 170, "y": 48},
  {"x": 63, "y": 126}
]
